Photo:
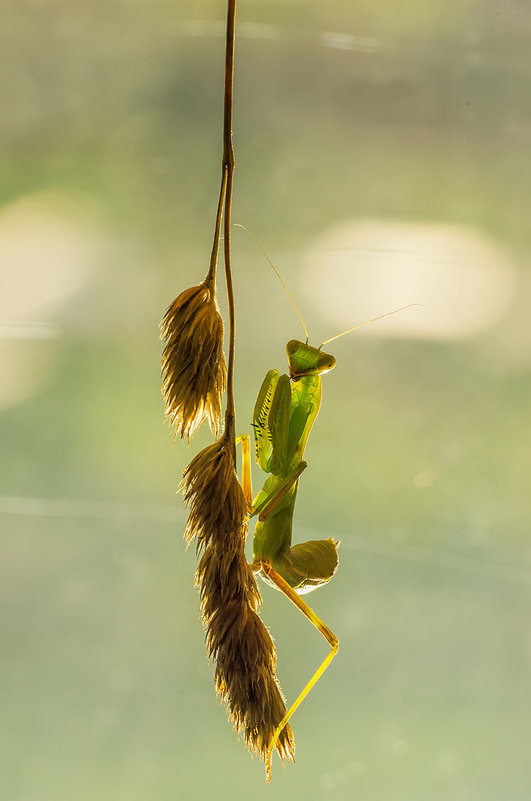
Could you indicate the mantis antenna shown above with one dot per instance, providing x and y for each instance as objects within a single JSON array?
[
  {"x": 355, "y": 327},
  {"x": 262, "y": 251}
]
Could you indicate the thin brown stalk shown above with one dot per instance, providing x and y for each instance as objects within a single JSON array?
[
  {"x": 211, "y": 275},
  {"x": 228, "y": 173}
]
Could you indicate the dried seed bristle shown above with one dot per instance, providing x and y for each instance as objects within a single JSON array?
[
  {"x": 193, "y": 363},
  {"x": 236, "y": 637}
]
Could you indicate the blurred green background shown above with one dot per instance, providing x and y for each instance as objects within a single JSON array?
[{"x": 383, "y": 158}]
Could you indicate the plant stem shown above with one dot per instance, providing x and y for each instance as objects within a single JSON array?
[
  {"x": 211, "y": 275},
  {"x": 227, "y": 181}
]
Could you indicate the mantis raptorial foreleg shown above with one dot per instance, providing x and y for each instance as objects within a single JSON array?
[
  {"x": 266, "y": 508},
  {"x": 269, "y": 504},
  {"x": 329, "y": 636}
]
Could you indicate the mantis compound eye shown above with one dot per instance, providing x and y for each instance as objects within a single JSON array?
[{"x": 326, "y": 363}]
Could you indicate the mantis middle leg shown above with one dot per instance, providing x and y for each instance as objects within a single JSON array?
[{"x": 246, "y": 470}]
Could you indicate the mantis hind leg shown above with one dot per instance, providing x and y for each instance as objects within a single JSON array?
[{"x": 329, "y": 636}]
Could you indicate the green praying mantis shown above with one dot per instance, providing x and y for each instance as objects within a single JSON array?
[{"x": 285, "y": 411}]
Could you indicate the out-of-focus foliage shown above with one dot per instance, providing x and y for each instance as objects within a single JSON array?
[{"x": 382, "y": 159}]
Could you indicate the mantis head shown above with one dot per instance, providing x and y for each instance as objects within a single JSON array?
[{"x": 306, "y": 360}]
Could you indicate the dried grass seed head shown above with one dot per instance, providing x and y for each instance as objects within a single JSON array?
[
  {"x": 193, "y": 363},
  {"x": 215, "y": 498},
  {"x": 243, "y": 650},
  {"x": 236, "y": 637},
  {"x": 246, "y": 681}
]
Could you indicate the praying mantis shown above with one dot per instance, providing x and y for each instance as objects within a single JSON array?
[{"x": 285, "y": 411}]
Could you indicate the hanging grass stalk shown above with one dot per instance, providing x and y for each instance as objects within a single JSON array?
[
  {"x": 194, "y": 378},
  {"x": 236, "y": 638}
]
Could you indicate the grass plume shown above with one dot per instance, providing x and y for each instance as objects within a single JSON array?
[
  {"x": 193, "y": 363},
  {"x": 236, "y": 637}
]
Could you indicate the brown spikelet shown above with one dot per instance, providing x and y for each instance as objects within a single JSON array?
[
  {"x": 236, "y": 637},
  {"x": 193, "y": 364},
  {"x": 213, "y": 493},
  {"x": 245, "y": 676}
]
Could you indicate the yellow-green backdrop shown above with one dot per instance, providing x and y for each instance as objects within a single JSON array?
[{"x": 383, "y": 158}]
